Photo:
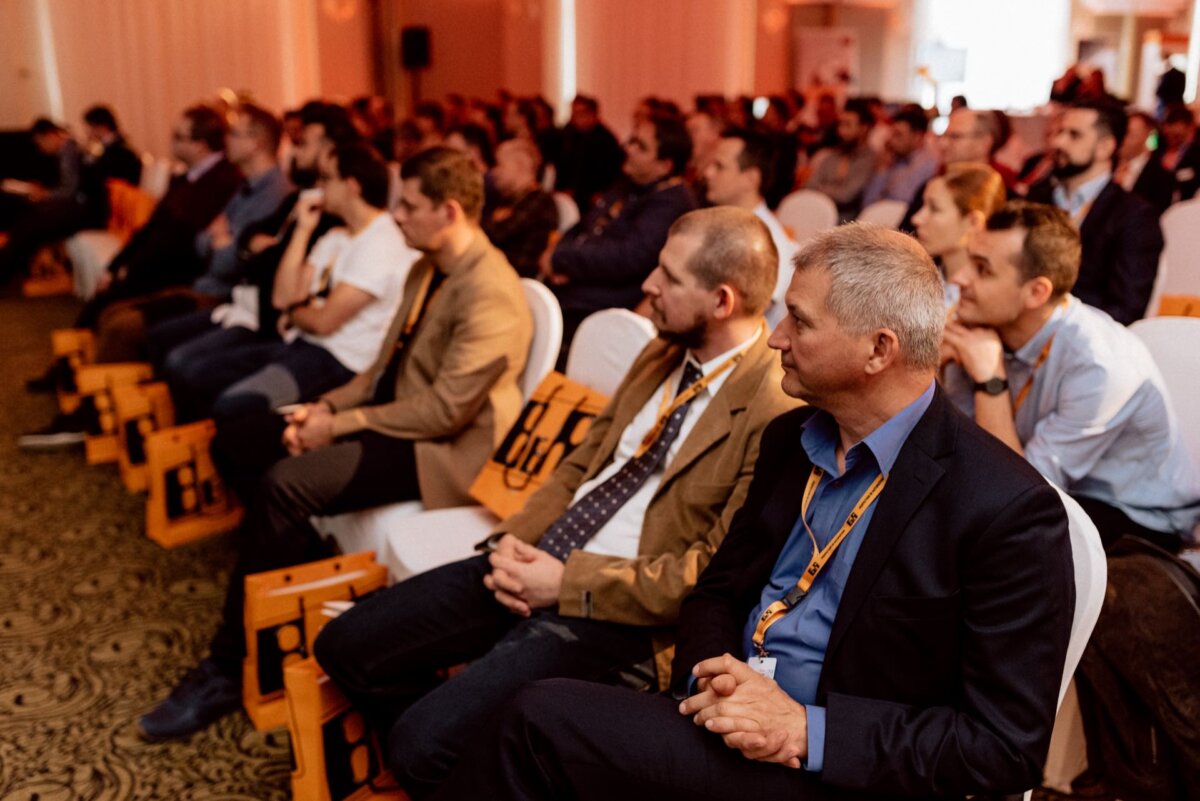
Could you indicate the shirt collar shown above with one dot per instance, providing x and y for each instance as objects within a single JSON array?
[
  {"x": 820, "y": 437},
  {"x": 1081, "y": 197},
  {"x": 714, "y": 386},
  {"x": 1028, "y": 353},
  {"x": 202, "y": 166}
]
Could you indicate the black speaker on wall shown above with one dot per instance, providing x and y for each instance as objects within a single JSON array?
[{"x": 415, "y": 53}]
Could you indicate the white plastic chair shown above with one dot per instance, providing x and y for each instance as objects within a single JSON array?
[
  {"x": 156, "y": 176},
  {"x": 1174, "y": 343},
  {"x": 90, "y": 253},
  {"x": 411, "y": 541},
  {"x": 807, "y": 212},
  {"x": 1178, "y": 271},
  {"x": 887, "y": 213},
  {"x": 547, "y": 334},
  {"x": 368, "y": 529},
  {"x": 1091, "y": 579},
  {"x": 568, "y": 211},
  {"x": 605, "y": 344}
]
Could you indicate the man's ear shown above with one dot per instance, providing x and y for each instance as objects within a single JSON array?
[
  {"x": 1038, "y": 292},
  {"x": 726, "y": 302},
  {"x": 453, "y": 211},
  {"x": 885, "y": 351}
]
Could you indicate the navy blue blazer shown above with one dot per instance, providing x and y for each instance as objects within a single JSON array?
[{"x": 945, "y": 659}]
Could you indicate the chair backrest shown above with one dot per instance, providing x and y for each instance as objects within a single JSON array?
[
  {"x": 1181, "y": 237},
  {"x": 568, "y": 211},
  {"x": 887, "y": 213},
  {"x": 806, "y": 212},
  {"x": 156, "y": 176},
  {"x": 547, "y": 334},
  {"x": 1091, "y": 578},
  {"x": 605, "y": 346},
  {"x": 1174, "y": 343}
]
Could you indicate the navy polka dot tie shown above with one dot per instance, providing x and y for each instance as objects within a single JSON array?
[{"x": 582, "y": 520}]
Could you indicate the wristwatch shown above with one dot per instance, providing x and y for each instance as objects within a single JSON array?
[{"x": 993, "y": 386}]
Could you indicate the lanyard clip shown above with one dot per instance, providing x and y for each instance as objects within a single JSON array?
[{"x": 794, "y": 596}]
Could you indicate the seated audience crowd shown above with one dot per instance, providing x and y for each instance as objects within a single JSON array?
[{"x": 816, "y": 522}]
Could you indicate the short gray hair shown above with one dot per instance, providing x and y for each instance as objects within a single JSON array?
[{"x": 881, "y": 279}]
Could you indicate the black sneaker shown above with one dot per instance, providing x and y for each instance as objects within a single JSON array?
[
  {"x": 67, "y": 430},
  {"x": 202, "y": 697},
  {"x": 44, "y": 384}
]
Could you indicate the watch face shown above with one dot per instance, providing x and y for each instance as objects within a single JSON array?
[{"x": 994, "y": 386}]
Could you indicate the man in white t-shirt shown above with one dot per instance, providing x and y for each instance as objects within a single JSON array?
[
  {"x": 742, "y": 163},
  {"x": 338, "y": 301}
]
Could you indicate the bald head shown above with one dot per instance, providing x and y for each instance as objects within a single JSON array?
[{"x": 735, "y": 249}]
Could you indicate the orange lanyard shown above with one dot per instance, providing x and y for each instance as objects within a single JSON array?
[
  {"x": 1041, "y": 359},
  {"x": 821, "y": 556},
  {"x": 667, "y": 407}
]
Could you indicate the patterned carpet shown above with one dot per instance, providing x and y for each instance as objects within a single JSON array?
[{"x": 97, "y": 622}]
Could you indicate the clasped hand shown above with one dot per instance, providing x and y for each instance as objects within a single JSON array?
[
  {"x": 751, "y": 712},
  {"x": 978, "y": 350},
  {"x": 523, "y": 577},
  {"x": 309, "y": 427}
]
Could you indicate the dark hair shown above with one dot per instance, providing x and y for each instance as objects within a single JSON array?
[
  {"x": 264, "y": 124},
  {"x": 1178, "y": 112},
  {"x": 363, "y": 164},
  {"x": 334, "y": 119},
  {"x": 446, "y": 174},
  {"x": 1110, "y": 118},
  {"x": 434, "y": 112},
  {"x": 1051, "y": 248},
  {"x": 44, "y": 125},
  {"x": 207, "y": 126},
  {"x": 477, "y": 136},
  {"x": 914, "y": 117},
  {"x": 587, "y": 102},
  {"x": 758, "y": 150},
  {"x": 101, "y": 117},
  {"x": 674, "y": 143},
  {"x": 860, "y": 108}
]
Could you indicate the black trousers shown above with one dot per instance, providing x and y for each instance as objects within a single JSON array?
[
  {"x": 571, "y": 739},
  {"x": 366, "y": 470},
  {"x": 385, "y": 654},
  {"x": 1112, "y": 524}
]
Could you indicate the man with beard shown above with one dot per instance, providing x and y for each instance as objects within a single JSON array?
[
  {"x": 842, "y": 171},
  {"x": 1121, "y": 237},
  {"x": 585, "y": 580}
]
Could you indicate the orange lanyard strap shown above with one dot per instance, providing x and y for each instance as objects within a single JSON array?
[
  {"x": 1041, "y": 359},
  {"x": 667, "y": 407},
  {"x": 776, "y": 611}
]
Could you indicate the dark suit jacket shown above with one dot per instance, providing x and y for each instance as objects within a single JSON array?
[
  {"x": 1121, "y": 245},
  {"x": 1155, "y": 184},
  {"x": 944, "y": 663},
  {"x": 162, "y": 253},
  {"x": 608, "y": 255}
]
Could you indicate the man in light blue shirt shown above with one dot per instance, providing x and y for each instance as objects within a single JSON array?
[
  {"x": 909, "y": 162},
  {"x": 1063, "y": 384}
]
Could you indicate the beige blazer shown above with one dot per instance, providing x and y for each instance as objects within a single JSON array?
[
  {"x": 689, "y": 514},
  {"x": 458, "y": 389}
]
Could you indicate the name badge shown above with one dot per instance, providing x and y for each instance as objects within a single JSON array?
[
  {"x": 1186, "y": 174},
  {"x": 763, "y": 666}
]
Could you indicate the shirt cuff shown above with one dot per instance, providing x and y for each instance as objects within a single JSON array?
[{"x": 816, "y": 739}]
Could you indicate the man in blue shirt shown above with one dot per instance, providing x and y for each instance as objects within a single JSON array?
[
  {"x": 1063, "y": 384},
  {"x": 889, "y": 614}
]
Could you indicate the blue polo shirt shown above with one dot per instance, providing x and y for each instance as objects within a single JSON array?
[{"x": 798, "y": 641}]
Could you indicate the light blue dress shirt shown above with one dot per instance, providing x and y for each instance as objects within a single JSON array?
[
  {"x": 1082, "y": 198},
  {"x": 1097, "y": 421},
  {"x": 904, "y": 178},
  {"x": 798, "y": 641}
]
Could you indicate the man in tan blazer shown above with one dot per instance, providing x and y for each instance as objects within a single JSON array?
[
  {"x": 418, "y": 424},
  {"x": 587, "y": 579}
]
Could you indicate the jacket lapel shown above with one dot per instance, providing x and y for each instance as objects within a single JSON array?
[
  {"x": 714, "y": 425},
  {"x": 913, "y": 477},
  {"x": 1098, "y": 213}
]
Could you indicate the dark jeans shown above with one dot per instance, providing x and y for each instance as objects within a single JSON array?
[
  {"x": 366, "y": 470},
  {"x": 44, "y": 222},
  {"x": 385, "y": 653},
  {"x": 293, "y": 372},
  {"x": 571, "y": 739},
  {"x": 1112, "y": 524},
  {"x": 202, "y": 359}
]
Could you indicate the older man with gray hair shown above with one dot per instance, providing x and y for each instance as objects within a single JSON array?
[{"x": 888, "y": 617}]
